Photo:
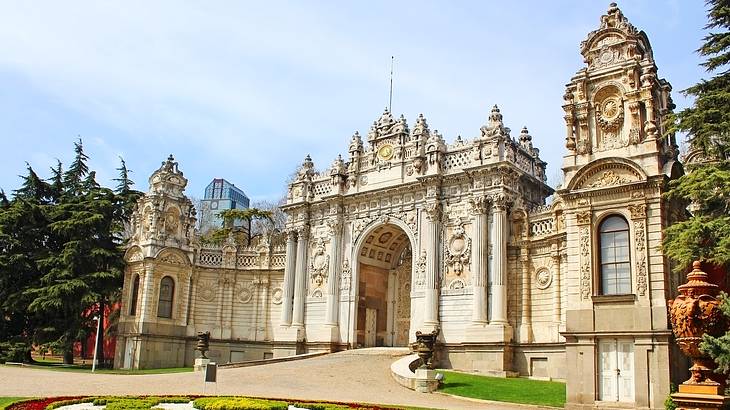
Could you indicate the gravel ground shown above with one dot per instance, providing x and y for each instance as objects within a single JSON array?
[{"x": 350, "y": 376}]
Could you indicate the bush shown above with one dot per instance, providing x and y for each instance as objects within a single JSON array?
[
  {"x": 238, "y": 403},
  {"x": 14, "y": 352}
]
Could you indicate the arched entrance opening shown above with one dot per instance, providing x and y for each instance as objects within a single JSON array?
[{"x": 383, "y": 309}]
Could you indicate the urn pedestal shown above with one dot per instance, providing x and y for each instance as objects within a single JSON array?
[{"x": 694, "y": 313}]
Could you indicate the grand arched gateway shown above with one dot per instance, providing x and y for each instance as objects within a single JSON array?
[{"x": 410, "y": 233}]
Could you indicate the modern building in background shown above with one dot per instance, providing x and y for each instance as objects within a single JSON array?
[{"x": 219, "y": 196}]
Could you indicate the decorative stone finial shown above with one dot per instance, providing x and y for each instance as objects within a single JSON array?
[
  {"x": 495, "y": 117},
  {"x": 356, "y": 143},
  {"x": 525, "y": 135}
]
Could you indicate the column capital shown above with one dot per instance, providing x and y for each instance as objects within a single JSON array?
[
  {"x": 303, "y": 232},
  {"x": 584, "y": 217},
  {"x": 499, "y": 202},
  {"x": 433, "y": 211},
  {"x": 478, "y": 204},
  {"x": 638, "y": 211}
]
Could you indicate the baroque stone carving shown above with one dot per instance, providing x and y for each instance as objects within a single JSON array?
[
  {"x": 277, "y": 295},
  {"x": 609, "y": 178},
  {"x": 585, "y": 262},
  {"x": 543, "y": 278},
  {"x": 135, "y": 256},
  {"x": 640, "y": 241},
  {"x": 345, "y": 275},
  {"x": 421, "y": 270},
  {"x": 244, "y": 292},
  {"x": 320, "y": 264},
  {"x": 583, "y": 218},
  {"x": 172, "y": 259},
  {"x": 458, "y": 250},
  {"x": 638, "y": 211},
  {"x": 207, "y": 290}
]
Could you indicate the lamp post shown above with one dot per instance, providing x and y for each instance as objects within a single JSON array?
[{"x": 96, "y": 341}]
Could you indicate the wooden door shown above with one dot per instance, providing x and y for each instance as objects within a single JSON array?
[
  {"x": 371, "y": 329},
  {"x": 616, "y": 367}
]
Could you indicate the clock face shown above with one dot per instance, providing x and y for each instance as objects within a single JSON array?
[
  {"x": 385, "y": 152},
  {"x": 214, "y": 205}
]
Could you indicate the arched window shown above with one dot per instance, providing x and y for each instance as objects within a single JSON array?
[
  {"x": 167, "y": 292},
  {"x": 133, "y": 296},
  {"x": 614, "y": 259}
]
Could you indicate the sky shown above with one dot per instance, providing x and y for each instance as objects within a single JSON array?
[{"x": 245, "y": 90}]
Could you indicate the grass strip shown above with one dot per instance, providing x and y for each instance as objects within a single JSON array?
[{"x": 512, "y": 390}]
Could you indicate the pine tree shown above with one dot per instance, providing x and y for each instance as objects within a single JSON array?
[
  {"x": 56, "y": 182},
  {"x": 73, "y": 178},
  {"x": 24, "y": 238},
  {"x": 705, "y": 235}
]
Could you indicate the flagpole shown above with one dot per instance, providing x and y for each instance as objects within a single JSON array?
[{"x": 390, "y": 99}]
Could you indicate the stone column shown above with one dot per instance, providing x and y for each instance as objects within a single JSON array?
[
  {"x": 555, "y": 255},
  {"x": 526, "y": 317},
  {"x": 145, "y": 311},
  {"x": 480, "y": 259},
  {"x": 433, "y": 231},
  {"x": 333, "y": 283},
  {"x": 300, "y": 282},
  {"x": 289, "y": 271},
  {"x": 499, "y": 267}
]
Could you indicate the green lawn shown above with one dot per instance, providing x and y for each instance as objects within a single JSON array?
[
  {"x": 6, "y": 401},
  {"x": 513, "y": 390}
]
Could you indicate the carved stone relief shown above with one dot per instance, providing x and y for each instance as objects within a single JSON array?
[
  {"x": 320, "y": 264},
  {"x": 543, "y": 278},
  {"x": 640, "y": 241},
  {"x": 585, "y": 262},
  {"x": 244, "y": 291},
  {"x": 458, "y": 250},
  {"x": 345, "y": 275},
  {"x": 207, "y": 290},
  {"x": 277, "y": 295},
  {"x": 421, "y": 270}
]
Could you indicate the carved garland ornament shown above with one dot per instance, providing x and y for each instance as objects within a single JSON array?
[
  {"x": 421, "y": 270},
  {"x": 585, "y": 262},
  {"x": 640, "y": 240},
  {"x": 346, "y": 275}
]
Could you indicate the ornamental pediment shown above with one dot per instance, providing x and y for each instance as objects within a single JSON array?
[{"x": 606, "y": 174}]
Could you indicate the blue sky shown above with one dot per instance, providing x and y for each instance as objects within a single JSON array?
[{"x": 244, "y": 90}]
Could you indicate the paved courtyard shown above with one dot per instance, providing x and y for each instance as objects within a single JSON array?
[{"x": 353, "y": 376}]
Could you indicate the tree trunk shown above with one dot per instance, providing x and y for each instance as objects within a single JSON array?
[{"x": 68, "y": 355}]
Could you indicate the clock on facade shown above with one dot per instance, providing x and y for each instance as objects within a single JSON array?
[{"x": 385, "y": 152}]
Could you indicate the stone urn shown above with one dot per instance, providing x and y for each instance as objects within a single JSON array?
[
  {"x": 694, "y": 313},
  {"x": 424, "y": 348},
  {"x": 203, "y": 343}
]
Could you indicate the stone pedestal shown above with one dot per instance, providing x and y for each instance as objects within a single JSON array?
[
  {"x": 700, "y": 397},
  {"x": 426, "y": 380},
  {"x": 200, "y": 364}
]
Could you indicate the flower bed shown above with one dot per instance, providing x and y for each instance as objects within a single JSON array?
[{"x": 201, "y": 403}]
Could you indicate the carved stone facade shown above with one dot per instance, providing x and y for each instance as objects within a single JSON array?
[
  {"x": 411, "y": 233},
  {"x": 232, "y": 292}
]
